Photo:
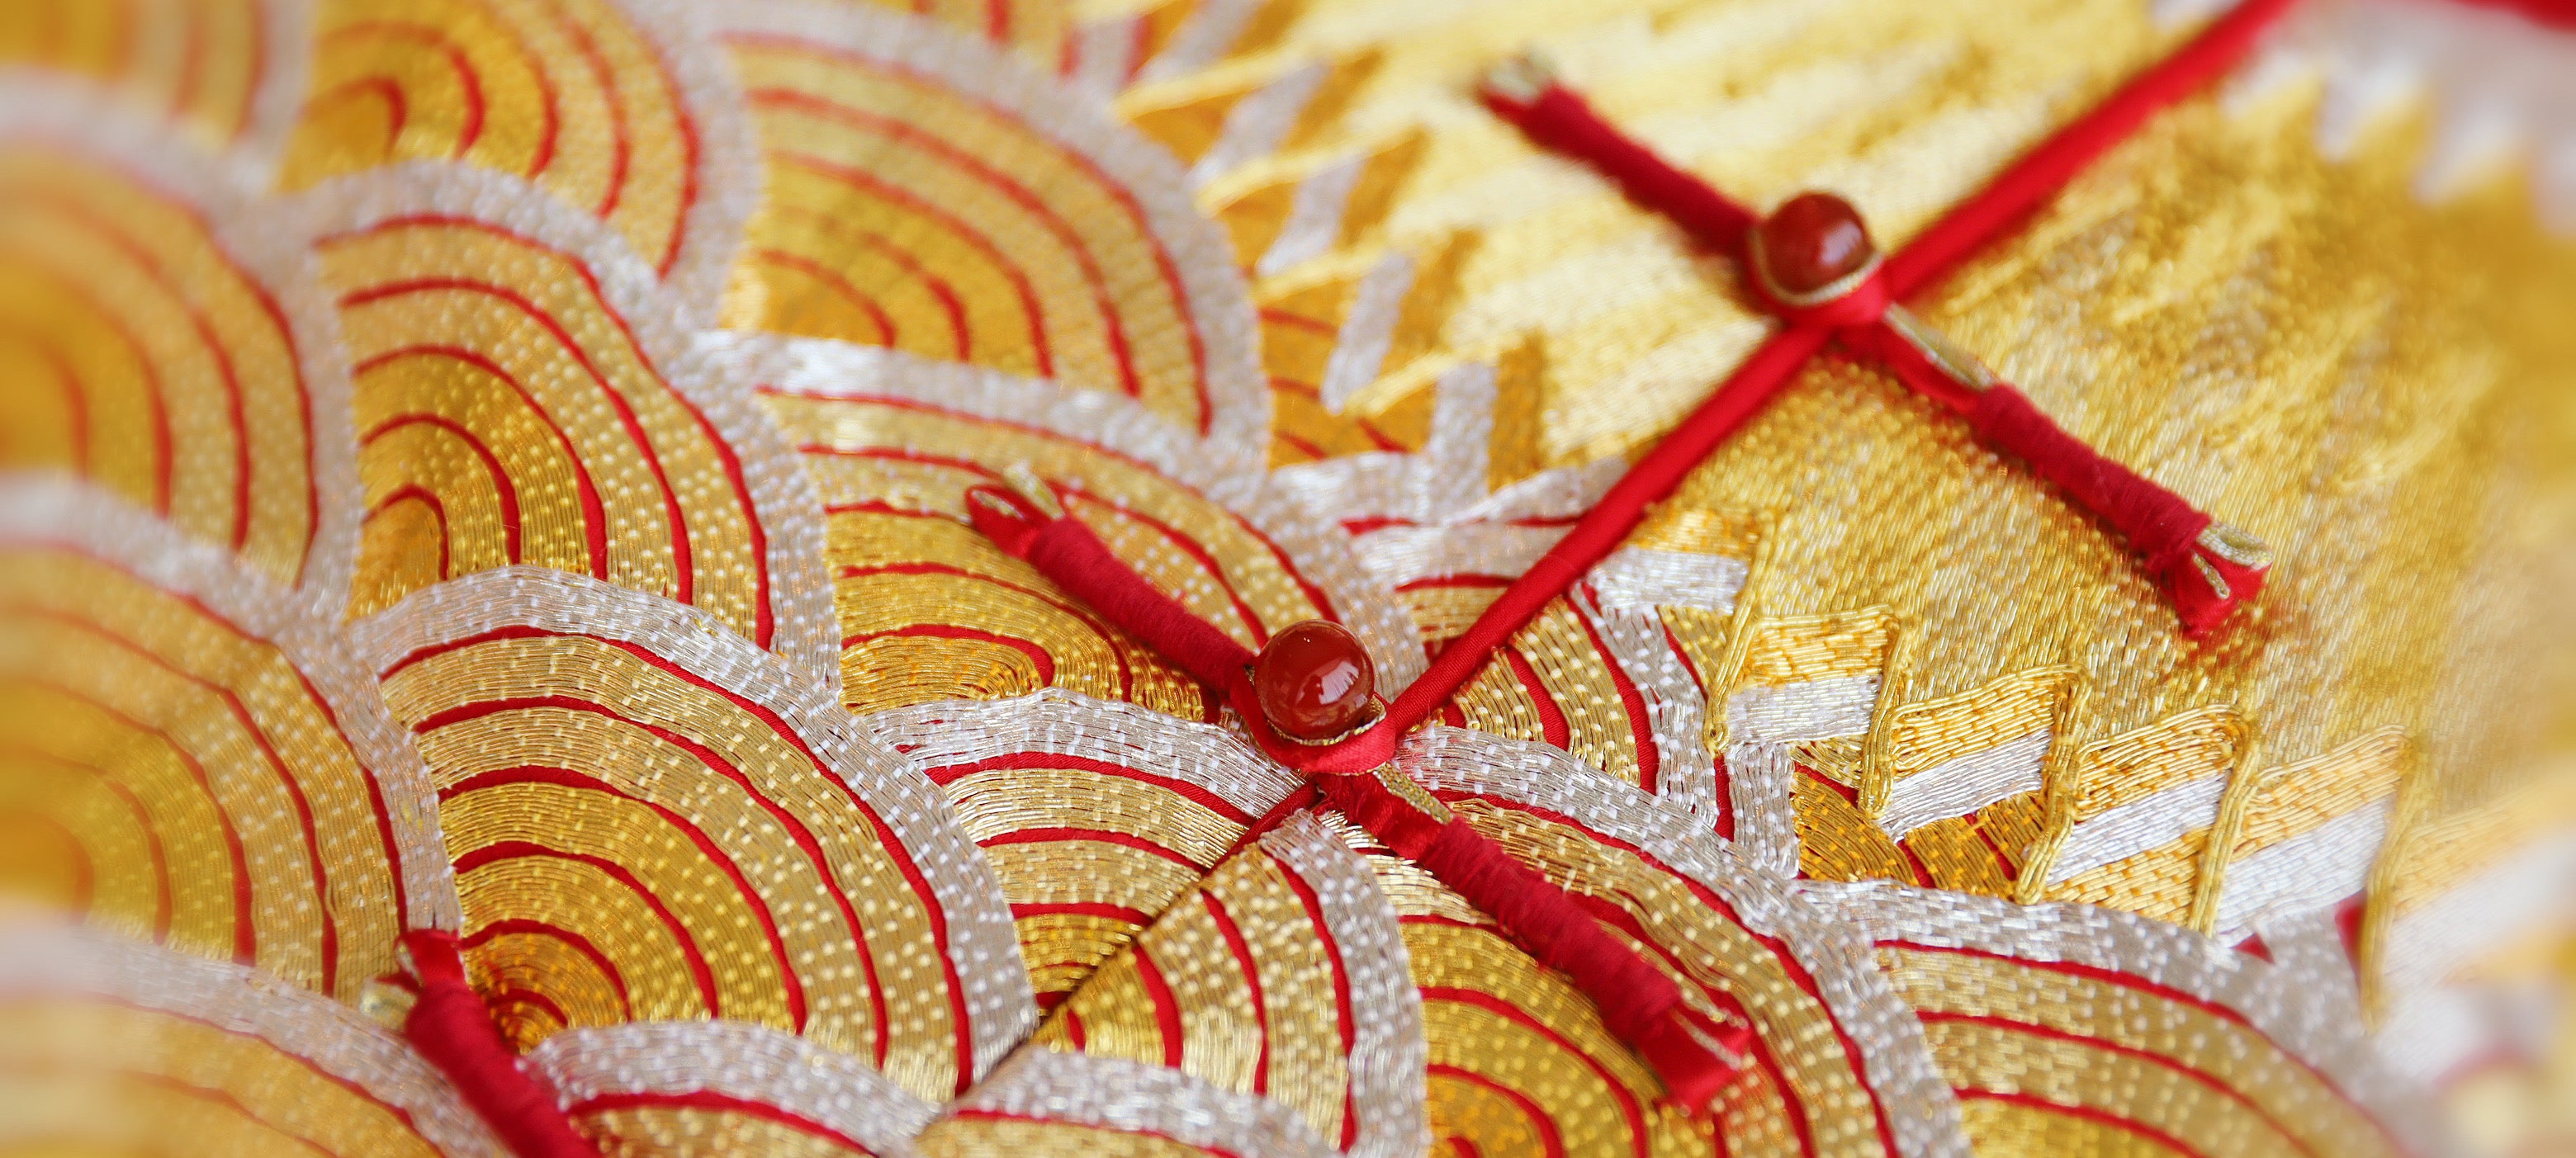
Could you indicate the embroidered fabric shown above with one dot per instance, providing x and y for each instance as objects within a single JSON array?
[{"x": 772, "y": 796}]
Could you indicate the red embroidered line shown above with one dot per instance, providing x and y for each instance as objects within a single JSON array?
[{"x": 2040, "y": 173}]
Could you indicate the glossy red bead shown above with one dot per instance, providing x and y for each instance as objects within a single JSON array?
[
  {"x": 1314, "y": 680},
  {"x": 1812, "y": 241}
]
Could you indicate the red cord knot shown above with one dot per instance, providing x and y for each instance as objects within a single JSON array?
[
  {"x": 1814, "y": 264},
  {"x": 1814, "y": 259},
  {"x": 1316, "y": 683}
]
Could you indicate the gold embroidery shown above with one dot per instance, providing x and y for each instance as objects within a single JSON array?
[
  {"x": 2127, "y": 769},
  {"x": 931, "y": 610},
  {"x": 987, "y": 1137},
  {"x": 2001, "y": 1026},
  {"x": 564, "y": 92},
  {"x": 468, "y": 413},
  {"x": 142, "y": 312},
  {"x": 116, "y": 1076},
  {"x": 1472, "y": 980},
  {"x": 695, "y": 1132},
  {"x": 190, "y": 767},
  {"x": 594, "y": 799},
  {"x": 204, "y": 62},
  {"x": 900, "y": 213},
  {"x": 1268, "y": 1021}
]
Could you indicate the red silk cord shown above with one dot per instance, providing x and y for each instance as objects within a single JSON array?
[
  {"x": 1637, "y": 1001},
  {"x": 2040, "y": 173},
  {"x": 1694, "y": 1055},
  {"x": 452, "y": 1028},
  {"x": 1599, "y": 532},
  {"x": 1562, "y": 122},
  {"x": 1065, "y": 551}
]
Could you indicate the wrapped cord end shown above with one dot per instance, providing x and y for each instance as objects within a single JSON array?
[{"x": 2220, "y": 569}]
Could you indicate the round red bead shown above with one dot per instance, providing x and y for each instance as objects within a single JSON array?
[
  {"x": 1314, "y": 680},
  {"x": 1812, "y": 241}
]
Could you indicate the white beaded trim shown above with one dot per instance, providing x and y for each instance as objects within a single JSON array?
[
  {"x": 731, "y": 179},
  {"x": 1388, "y": 1053},
  {"x": 1063, "y": 723},
  {"x": 737, "y": 1059},
  {"x": 2304, "y": 1020}
]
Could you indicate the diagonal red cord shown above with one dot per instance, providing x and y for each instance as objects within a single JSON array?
[{"x": 2020, "y": 188}]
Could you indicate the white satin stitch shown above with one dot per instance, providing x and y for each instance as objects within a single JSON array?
[
  {"x": 2314, "y": 869},
  {"x": 2139, "y": 826},
  {"x": 1959, "y": 786}
]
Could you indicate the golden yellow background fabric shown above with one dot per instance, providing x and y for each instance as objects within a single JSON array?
[{"x": 498, "y": 467}]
